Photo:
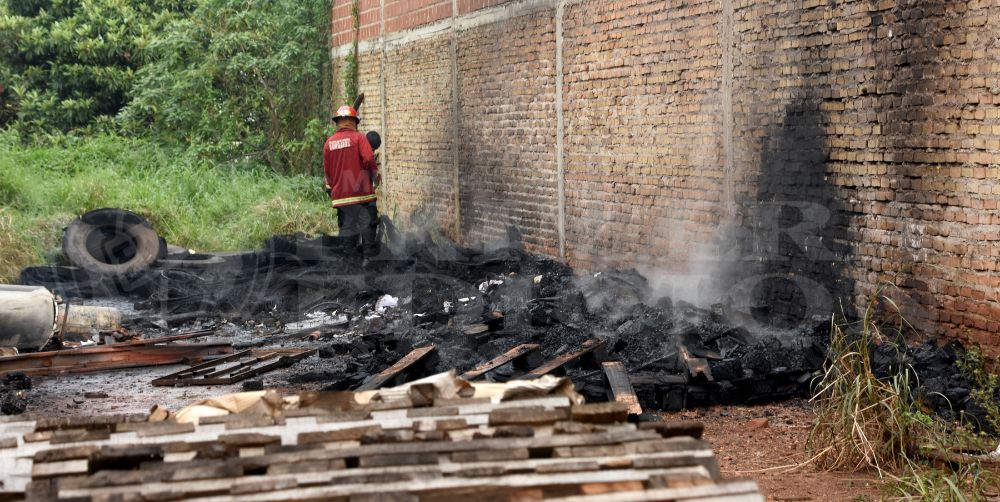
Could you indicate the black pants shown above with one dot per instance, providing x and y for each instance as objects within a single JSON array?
[{"x": 359, "y": 222}]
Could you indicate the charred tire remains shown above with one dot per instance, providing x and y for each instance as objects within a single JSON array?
[{"x": 112, "y": 242}]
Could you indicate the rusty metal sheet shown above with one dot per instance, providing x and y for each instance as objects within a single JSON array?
[
  {"x": 108, "y": 357},
  {"x": 164, "y": 339}
]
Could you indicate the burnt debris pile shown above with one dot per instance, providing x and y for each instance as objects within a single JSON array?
[
  {"x": 939, "y": 384},
  {"x": 14, "y": 389},
  {"x": 492, "y": 311},
  {"x": 472, "y": 304}
]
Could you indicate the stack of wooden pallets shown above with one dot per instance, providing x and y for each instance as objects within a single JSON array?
[{"x": 458, "y": 449}]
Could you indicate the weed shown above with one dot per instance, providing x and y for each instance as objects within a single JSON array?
[
  {"x": 984, "y": 384},
  {"x": 921, "y": 481},
  {"x": 861, "y": 420},
  {"x": 865, "y": 421}
]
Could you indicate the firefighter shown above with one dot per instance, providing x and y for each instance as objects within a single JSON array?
[{"x": 351, "y": 174}]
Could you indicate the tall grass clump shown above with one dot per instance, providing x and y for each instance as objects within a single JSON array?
[
  {"x": 868, "y": 421},
  {"x": 861, "y": 419}
]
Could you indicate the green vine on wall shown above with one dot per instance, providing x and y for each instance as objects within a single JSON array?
[{"x": 350, "y": 73}]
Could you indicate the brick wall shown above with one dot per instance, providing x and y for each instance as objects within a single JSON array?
[
  {"x": 420, "y": 171},
  {"x": 508, "y": 131},
  {"x": 806, "y": 152},
  {"x": 879, "y": 118},
  {"x": 404, "y": 14},
  {"x": 369, "y": 21},
  {"x": 643, "y": 156}
]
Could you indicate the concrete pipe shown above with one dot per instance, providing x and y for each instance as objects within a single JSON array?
[{"x": 27, "y": 316}]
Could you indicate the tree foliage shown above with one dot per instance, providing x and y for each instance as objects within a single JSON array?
[
  {"x": 67, "y": 64},
  {"x": 245, "y": 80}
]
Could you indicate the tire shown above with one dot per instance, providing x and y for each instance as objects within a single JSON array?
[{"x": 112, "y": 242}]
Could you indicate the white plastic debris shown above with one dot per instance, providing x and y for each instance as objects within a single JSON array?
[
  {"x": 449, "y": 307},
  {"x": 317, "y": 322},
  {"x": 538, "y": 279},
  {"x": 465, "y": 300},
  {"x": 485, "y": 286},
  {"x": 385, "y": 303}
]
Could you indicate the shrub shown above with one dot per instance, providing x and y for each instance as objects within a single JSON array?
[
  {"x": 69, "y": 64},
  {"x": 241, "y": 80}
]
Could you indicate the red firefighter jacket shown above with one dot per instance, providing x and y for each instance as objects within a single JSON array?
[{"x": 349, "y": 167}]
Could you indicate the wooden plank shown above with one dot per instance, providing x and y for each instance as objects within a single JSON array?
[
  {"x": 234, "y": 368},
  {"x": 456, "y": 446},
  {"x": 697, "y": 366},
  {"x": 155, "y": 429},
  {"x": 675, "y": 428},
  {"x": 558, "y": 362},
  {"x": 104, "y": 422},
  {"x": 78, "y": 435},
  {"x": 60, "y": 468},
  {"x": 621, "y": 387},
  {"x": 490, "y": 455},
  {"x": 684, "y": 464},
  {"x": 600, "y": 413},
  {"x": 248, "y": 439},
  {"x": 736, "y": 490},
  {"x": 443, "y": 485},
  {"x": 409, "y": 360},
  {"x": 107, "y": 357},
  {"x": 434, "y": 447},
  {"x": 424, "y": 478},
  {"x": 520, "y": 353},
  {"x": 351, "y": 434},
  {"x": 528, "y": 415},
  {"x": 440, "y": 453}
]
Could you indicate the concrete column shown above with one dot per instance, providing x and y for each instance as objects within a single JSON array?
[
  {"x": 560, "y": 130},
  {"x": 728, "y": 120},
  {"x": 455, "y": 123},
  {"x": 384, "y": 156}
]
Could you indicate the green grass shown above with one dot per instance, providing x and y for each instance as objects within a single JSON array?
[{"x": 191, "y": 202}]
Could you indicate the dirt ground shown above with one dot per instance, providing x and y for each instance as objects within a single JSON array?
[
  {"x": 126, "y": 391},
  {"x": 766, "y": 442}
]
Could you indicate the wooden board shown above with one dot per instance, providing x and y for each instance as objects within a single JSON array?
[
  {"x": 458, "y": 449},
  {"x": 697, "y": 366},
  {"x": 620, "y": 386},
  {"x": 235, "y": 368},
  {"x": 521, "y": 353},
  {"x": 588, "y": 347},
  {"x": 390, "y": 373}
]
